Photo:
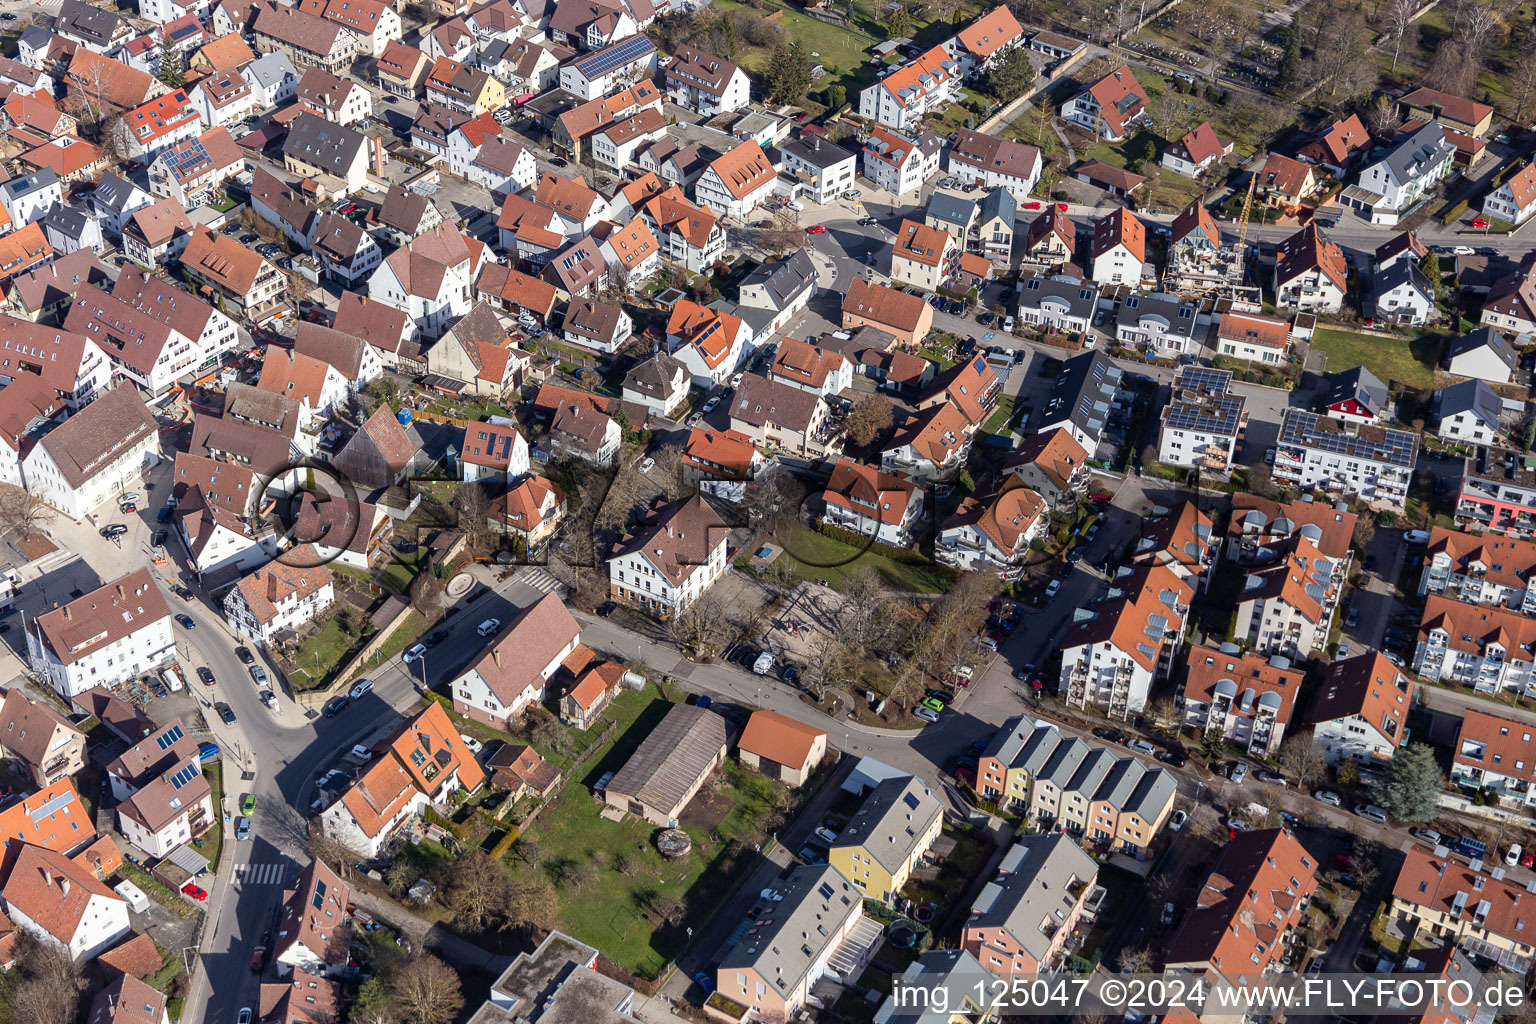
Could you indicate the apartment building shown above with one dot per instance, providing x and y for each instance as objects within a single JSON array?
[
  {"x": 1258, "y": 339},
  {"x": 1053, "y": 465},
  {"x": 1181, "y": 539},
  {"x": 1112, "y": 654},
  {"x": 1311, "y": 275},
  {"x": 163, "y": 799},
  {"x": 1498, "y": 493},
  {"x": 737, "y": 181},
  {"x": 1495, "y": 754},
  {"x": 1021, "y": 921},
  {"x": 922, "y": 256},
  {"x": 1287, "y": 609},
  {"x": 885, "y": 506},
  {"x": 40, "y": 738},
  {"x": 100, "y": 451},
  {"x": 1247, "y": 699},
  {"x": 1203, "y": 423},
  {"x": 993, "y": 530},
  {"x": 824, "y": 170},
  {"x": 1261, "y": 531},
  {"x": 995, "y": 163},
  {"x": 896, "y": 163},
  {"x": 903, "y": 97},
  {"x": 704, "y": 83},
  {"x": 1371, "y": 462},
  {"x": 1361, "y": 710},
  {"x": 1485, "y": 647},
  {"x": 1479, "y": 569},
  {"x": 1120, "y": 250},
  {"x": 245, "y": 282}
]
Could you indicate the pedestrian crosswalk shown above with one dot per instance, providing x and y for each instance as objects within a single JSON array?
[
  {"x": 266, "y": 873},
  {"x": 539, "y": 578}
]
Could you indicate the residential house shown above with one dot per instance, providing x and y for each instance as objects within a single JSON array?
[
  {"x": 1196, "y": 151},
  {"x": 1494, "y": 754},
  {"x": 931, "y": 445},
  {"x": 116, "y": 199},
  {"x": 280, "y": 596},
  {"x": 996, "y": 221},
  {"x": 1180, "y": 538},
  {"x": 781, "y": 748},
  {"x": 737, "y": 181},
  {"x": 711, "y": 343},
  {"x": 824, "y": 170},
  {"x": 1203, "y": 424},
  {"x": 337, "y": 158},
  {"x": 515, "y": 292},
  {"x": 1061, "y": 302},
  {"x": 670, "y": 766},
  {"x": 388, "y": 331},
  {"x": 530, "y": 511},
  {"x": 1258, "y": 339},
  {"x": 906, "y": 317},
  {"x": 922, "y": 256},
  {"x": 1484, "y": 647},
  {"x": 221, "y": 100},
  {"x": 157, "y": 234},
  {"x": 238, "y": 278},
  {"x": 982, "y": 44},
  {"x": 659, "y": 384},
  {"x": 273, "y": 79},
  {"x": 1515, "y": 200},
  {"x": 1357, "y": 396},
  {"x": 1114, "y": 106},
  {"x": 865, "y": 501},
  {"x": 995, "y": 163},
  {"x": 689, "y": 235},
  {"x": 1159, "y": 323},
  {"x": 313, "y": 933},
  {"x": 994, "y": 531},
  {"x": 583, "y": 703},
  {"x": 1375, "y": 463},
  {"x": 1468, "y": 412},
  {"x": 896, "y": 163},
  {"x": 1247, "y": 699},
  {"x": 513, "y": 672},
  {"x": 592, "y": 24},
  {"x": 616, "y": 66},
  {"x": 1339, "y": 148},
  {"x": 1361, "y": 709},
  {"x": 383, "y": 452},
  {"x": 1111, "y": 656},
  {"x": 596, "y": 325},
  {"x": 1086, "y": 389},
  {"x": 888, "y": 837},
  {"x": 405, "y": 216},
  {"x": 372, "y": 24},
  {"x": 632, "y": 254},
  {"x": 667, "y": 564},
  {"x": 163, "y": 798},
  {"x": 1453, "y": 112},
  {"x": 1285, "y": 182},
  {"x": 1120, "y": 249},
  {"x": 193, "y": 171},
  {"x": 1053, "y": 465},
  {"x": 1479, "y": 569},
  {"x": 1394, "y": 181},
  {"x": 60, "y": 902},
  {"x": 1483, "y": 354},
  {"x": 493, "y": 451},
  {"x": 781, "y": 418},
  {"x": 347, "y": 253},
  {"x": 39, "y": 738},
  {"x": 704, "y": 83},
  {"x": 28, "y": 198},
  {"x": 337, "y": 100},
  {"x": 1310, "y": 273},
  {"x": 403, "y": 70},
  {"x": 306, "y": 40},
  {"x": 499, "y": 165},
  {"x": 1287, "y": 609},
  {"x": 93, "y": 28},
  {"x": 431, "y": 280},
  {"x": 1464, "y": 906}
]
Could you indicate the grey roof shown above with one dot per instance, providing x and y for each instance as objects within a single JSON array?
[
  {"x": 1084, "y": 388},
  {"x": 316, "y": 141},
  {"x": 1481, "y": 337},
  {"x": 37, "y": 180},
  {"x": 817, "y": 152},
  {"x": 37, "y": 37},
  {"x": 1080, "y": 297},
  {"x": 553, "y": 985},
  {"x": 784, "y": 279},
  {"x": 1361, "y": 385},
  {"x": 1037, "y": 886},
  {"x": 270, "y": 69},
  {"x": 999, "y": 204},
  {"x": 953, "y": 970},
  {"x": 1170, "y": 309},
  {"x": 1404, "y": 272},
  {"x": 656, "y": 374},
  {"x": 1413, "y": 154},
  {"x": 759, "y": 401},
  {"x": 951, "y": 209},
  {"x": 794, "y": 929},
  {"x": 891, "y": 822},
  {"x": 69, "y": 221},
  {"x": 81, "y": 19},
  {"x": 1471, "y": 396},
  {"x": 1152, "y": 790},
  {"x": 1009, "y": 739},
  {"x": 115, "y": 192},
  {"x": 684, "y": 745}
]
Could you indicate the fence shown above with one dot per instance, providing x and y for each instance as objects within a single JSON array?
[{"x": 313, "y": 698}]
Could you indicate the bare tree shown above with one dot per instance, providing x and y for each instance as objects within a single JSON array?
[
  {"x": 535, "y": 905},
  {"x": 1381, "y": 117},
  {"x": 474, "y": 508},
  {"x": 870, "y": 415},
  {"x": 782, "y": 232},
  {"x": 697, "y": 628},
  {"x": 23, "y": 515},
  {"x": 1396, "y": 18},
  {"x": 333, "y": 851},
  {"x": 1165, "y": 714},
  {"x": 1524, "y": 73},
  {"x": 426, "y": 592},
  {"x": 1137, "y": 960},
  {"x": 480, "y": 893},
  {"x": 425, "y": 991},
  {"x": 49, "y": 992},
  {"x": 1302, "y": 759}
]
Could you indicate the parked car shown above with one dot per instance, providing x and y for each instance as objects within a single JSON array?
[
  {"x": 488, "y": 627},
  {"x": 939, "y": 695},
  {"x": 1239, "y": 772},
  {"x": 1166, "y": 917},
  {"x": 200, "y": 894},
  {"x": 244, "y": 654},
  {"x": 207, "y": 751},
  {"x": 1272, "y": 778},
  {"x": 359, "y": 688},
  {"x": 243, "y": 828},
  {"x": 1177, "y": 821},
  {"x": 114, "y": 530},
  {"x": 413, "y": 652},
  {"x": 1142, "y": 747},
  {"x": 826, "y": 835},
  {"x": 269, "y": 699},
  {"x": 1329, "y": 798},
  {"x": 1053, "y": 588},
  {"x": 335, "y": 706},
  {"x": 206, "y": 675},
  {"x": 248, "y": 804},
  {"x": 1112, "y": 735},
  {"x": 1172, "y": 757},
  {"x": 258, "y": 675},
  {"x": 926, "y": 714},
  {"x": 186, "y": 622},
  {"x": 933, "y": 705},
  {"x": 226, "y": 712},
  {"x": 474, "y": 745}
]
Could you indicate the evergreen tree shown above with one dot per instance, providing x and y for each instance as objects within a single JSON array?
[
  {"x": 788, "y": 74},
  {"x": 899, "y": 25},
  {"x": 728, "y": 36},
  {"x": 1410, "y": 787},
  {"x": 173, "y": 70},
  {"x": 1290, "y": 62}
]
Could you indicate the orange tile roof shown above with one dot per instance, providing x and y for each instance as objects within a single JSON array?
[
  {"x": 1286, "y": 175},
  {"x": 1207, "y": 666},
  {"x": 1255, "y": 889},
  {"x": 867, "y": 491},
  {"x": 1508, "y": 745},
  {"x": 1263, "y": 331},
  {"x": 569, "y": 196},
  {"x": 920, "y": 76},
  {"x": 673, "y": 213},
  {"x": 1342, "y": 140},
  {"x": 1125, "y": 621},
  {"x": 1201, "y": 143},
  {"x": 53, "y": 891},
  {"x": 429, "y": 741},
  {"x": 709, "y": 331},
  {"x": 160, "y": 116},
  {"x": 23, "y": 249},
  {"x": 1370, "y": 686},
  {"x": 525, "y": 505},
  {"x": 276, "y": 581},
  {"x": 720, "y": 451},
  {"x": 1120, "y": 228},
  {"x": 935, "y": 433},
  {"x": 922, "y": 244},
  {"x": 382, "y": 790},
  {"x": 65, "y": 827},
  {"x": 744, "y": 170},
  {"x": 1450, "y": 886},
  {"x": 298, "y": 376},
  {"x": 883, "y": 305},
  {"x": 1120, "y": 97},
  {"x": 1057, "y": 453},
  {"x": 1005, "y": 517},
  {"x": 779, "y": 738},
  {"x": 989, "y": 33},
  {"x": 633, "y": 244}
]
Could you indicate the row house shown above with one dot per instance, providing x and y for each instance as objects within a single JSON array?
[
  {"x": 70, "y": 366},
  {"x": 240, "y": 278},
  {"x": 888, "y": 837},
  {"x": 1062, "y": 783},
  {"x": 1456, "y": 904},
  {"x": 1112, "y": 655},
  {"x": 464, "y": 87},
  {"x": 306, "y": 40},
  {"x": 1181, "y": 539},
  {"x": 1247, "y": 699},
  {"x": 1485, "y": 647},
  {"x": 1374, "y": 463},
  {"x": 337, "y": 100},
  {"x": 1482, "y": 570}
]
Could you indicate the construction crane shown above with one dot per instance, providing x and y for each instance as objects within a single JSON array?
[{"x": 1235, "y": 275}]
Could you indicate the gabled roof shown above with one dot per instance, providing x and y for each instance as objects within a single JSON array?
[
  {"x": 1360, "y": 386},
  {"x": 1257, "y": 883},
  {"x": 1308, "y": 250},
  {"x": 883, "y": 305},
  {"x": 1484, "y": 339},
  {"x": 669, "y": 761},
  {"x": 1201, "y": 143},
  {"x": 1143, "y": 606},
  {"x": 1108, "y": 176},
  {"x": 990, "y": 33},
  {"x": 1244, "y": 678},
  {"x": 87, "y": 443},
  {"x": 1342, "y": 140},
  {"x": 744, "y": 169},
  {"x": 677, "y": 539},
  {"x": 1371, "y": 687},
  {"x": 989, "y": 153},
  {"x": 52, "y": 891},
  {"x": 1196, "y": 220},
  {"x": 1055, "y": 452},
  {"x": 869, "y": 492},
  {"x": 779, "y": 738},
  {"x": 1053, "y": 222},
  {"x": 1120, "y": 98},
  {"x": 1464, "y": 110},
  {"x": 1120, "y": 228}
]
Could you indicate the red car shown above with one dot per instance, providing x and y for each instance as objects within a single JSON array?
[
  {"x": 1031, "y": 206},
  {"x": 1061, "y": 207},
  {"x": 1101, "y": 498},
  {"x": 816, "y": 229},
  {"x": 1528, "y": 859},
  {"x": 1479, "y": 222},
  {"x": 196, "y": 891}
]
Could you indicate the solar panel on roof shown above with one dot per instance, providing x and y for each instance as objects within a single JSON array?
[
  {"x": 826, "y": 890},
  {"x": 53, "y": 804},
  {"x": 619, "y": 54},
  {"x": 183, "y": 776},
  {"x": 170, "y": 736},
  {"x": 910, "y": 800}
]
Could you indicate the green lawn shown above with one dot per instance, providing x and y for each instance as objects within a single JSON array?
[
  {"x": 399, "y": 573},
  {"x": 1410, "y": 362},
  {"x": 636, "y": 906},
  {"x": 211, "y": 842},
  {"x": 998, "y": 422},
  {"x": 844, "y": 52},
  {"x": 818, "y": 557},
  {"x": 320, "y": 655}
]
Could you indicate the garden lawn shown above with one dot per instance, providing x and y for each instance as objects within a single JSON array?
[
  {"x": 818, "y": 557},
  {"x": 636, "y": 906},
  {"x": 1410, "y": 362},
  {"x": 998, "y": 422},
  {"x": 401, "y": 570},
  {"x": 842, "y": 51},
  {"x": 212, "y": 841},
  {"x": 319, "y": 655}
]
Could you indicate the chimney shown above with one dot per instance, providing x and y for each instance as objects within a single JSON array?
[{"x": 496, "y": 656}]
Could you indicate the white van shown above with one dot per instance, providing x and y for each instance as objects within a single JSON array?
[
  {"x": 137, "y": 901},
  {"x": 1372, "y": 813},
  {"x": 172, "y": 679}
]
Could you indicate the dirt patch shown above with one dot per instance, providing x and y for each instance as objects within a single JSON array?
[{"x": 706, "y": 810}]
